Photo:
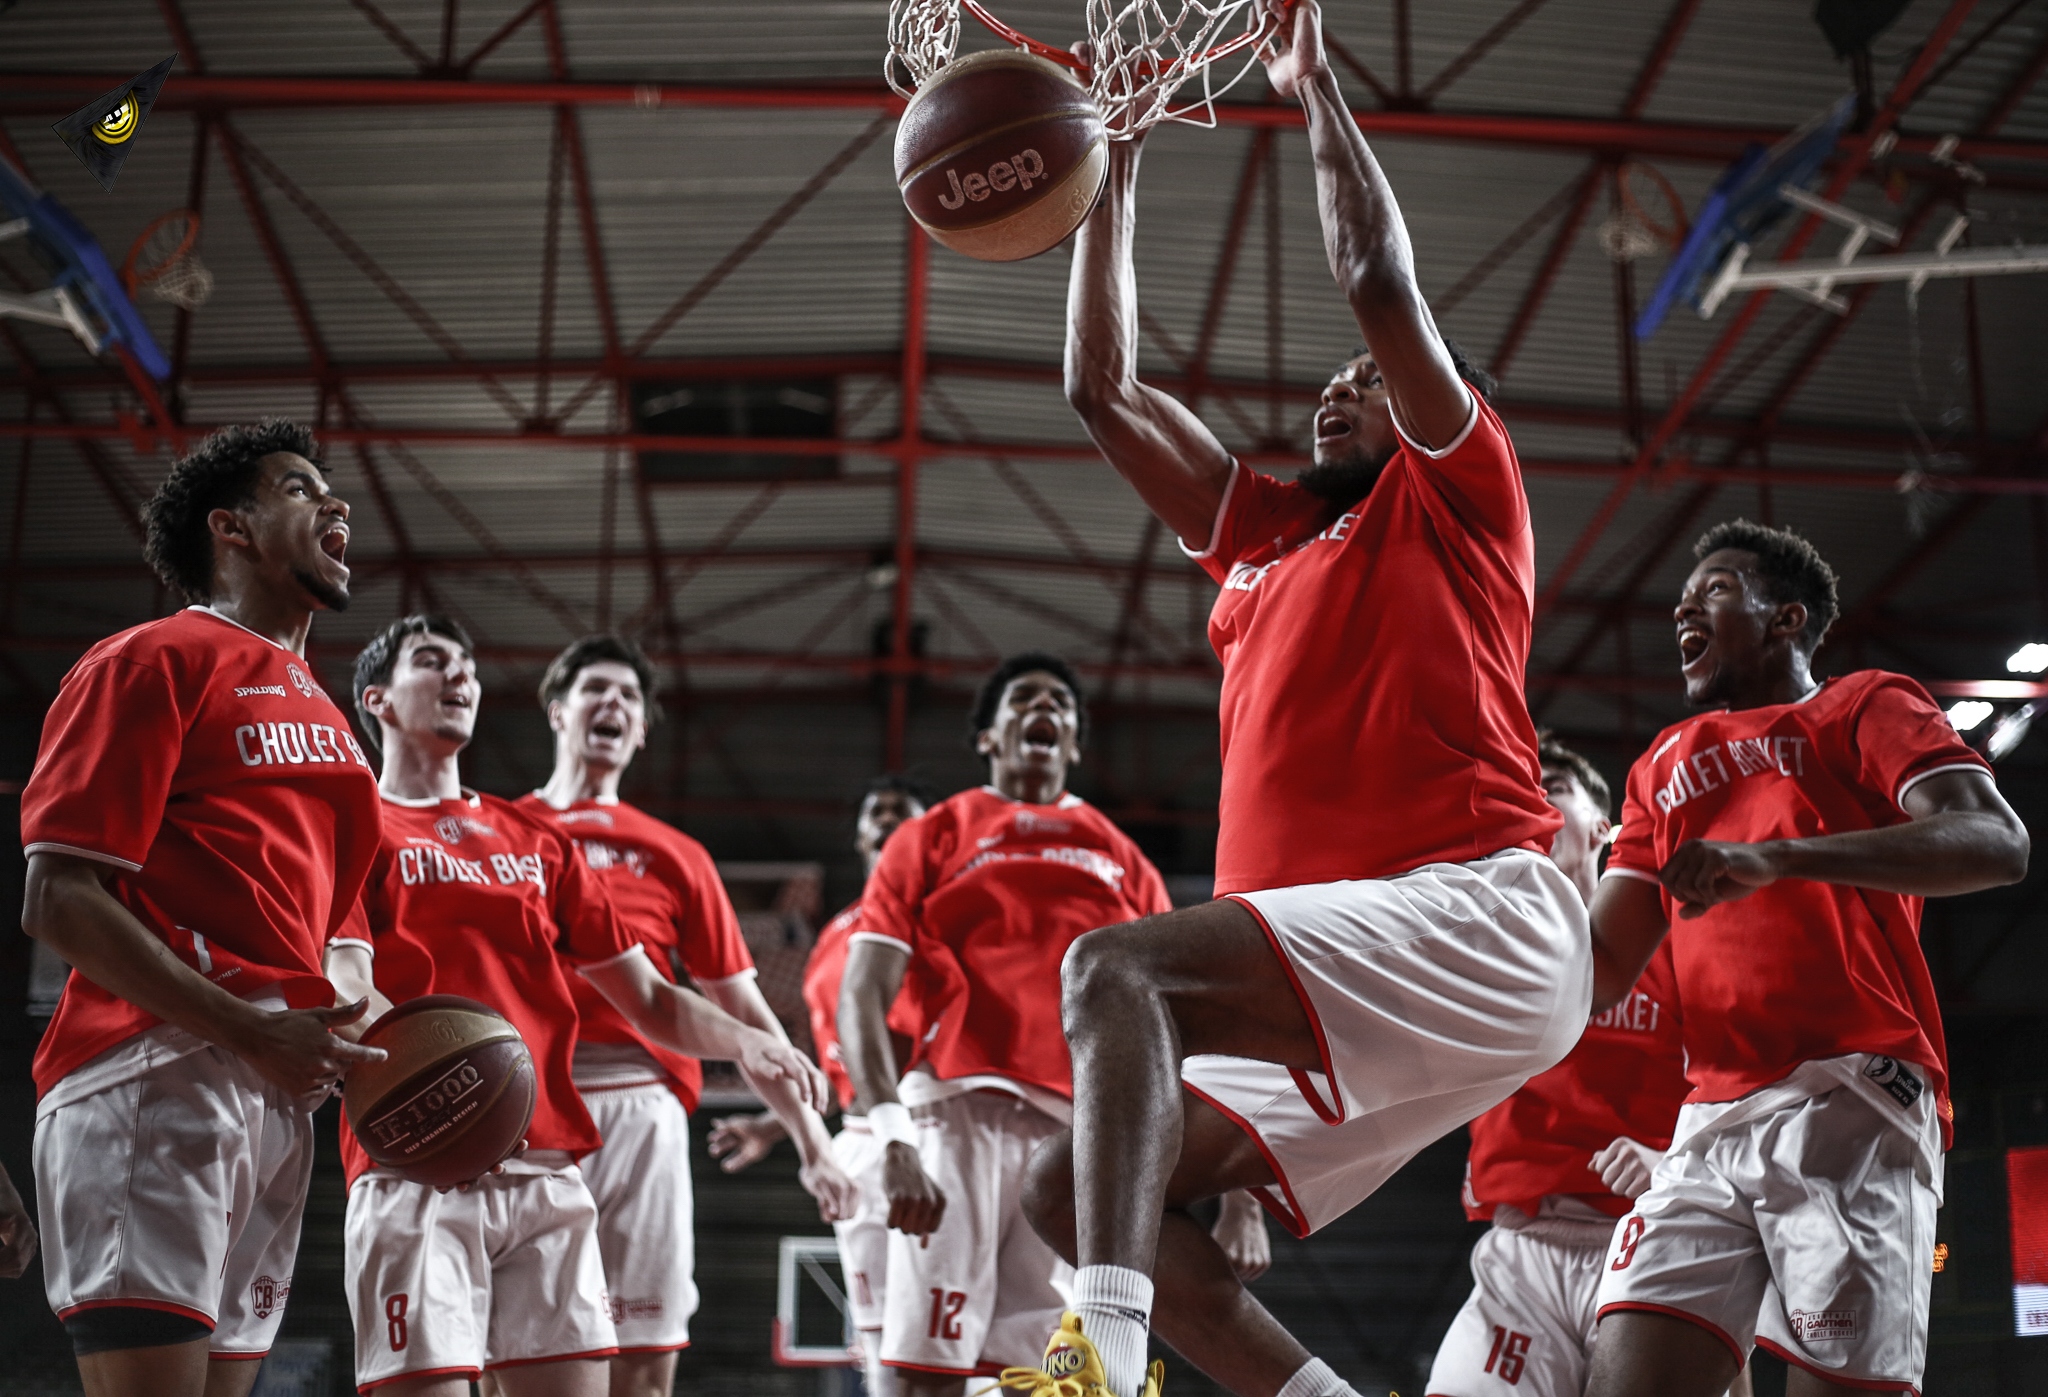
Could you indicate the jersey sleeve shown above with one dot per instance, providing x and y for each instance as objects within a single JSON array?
[
  {"x": 1255, "y": 510},
  {"x": 1477, "y": 472},
  {"x": 585, "y": 915},
  {"x": 1634, "y": 854},
  {"x": 111, "y": 746},
  {"x": 709, "y": 939},
  {"x": 1903, "y": 737},
  {"x": 894, "y": 896},
  {"x": 354, "y": 928}
]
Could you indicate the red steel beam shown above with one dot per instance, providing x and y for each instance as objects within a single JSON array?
[{"x": 916, "y": 316}]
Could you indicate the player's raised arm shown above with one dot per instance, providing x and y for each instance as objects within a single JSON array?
[
  {"x": 1366, "y": 240},
  {"x": 1175, "y": 462}
]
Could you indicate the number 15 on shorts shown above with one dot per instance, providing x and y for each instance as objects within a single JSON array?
[
  {"x": 946, "y": 1307},
  {"x": 1507, "y": 1355}
]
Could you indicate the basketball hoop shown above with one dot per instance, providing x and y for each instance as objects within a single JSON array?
[
  {"x": 1629, "y": 233},
  {"x": 1141, "y": 52},
  {"x": 165, "y": 260}
]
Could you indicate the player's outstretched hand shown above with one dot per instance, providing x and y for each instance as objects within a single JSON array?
[
  {"x": 1625, "y": 1166},
  {"x": 1241, "y": 1231},
  {"x": 1294, "y": 55},
  {"x": 1703, "y": 874},
  {"x": 738, "y": 1142},
  {"x": 297, "y": 1049},
  {"x": 838, "y": 1195},
  {"x": 17, "y": 1234},
  {"x": 767, "y": 1058},
  {"x": 916, "y": 1204}
]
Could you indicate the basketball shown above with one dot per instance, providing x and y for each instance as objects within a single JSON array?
[
  {"x": 1000, "y": 155},
  {"x": 453, "y": 1098}
]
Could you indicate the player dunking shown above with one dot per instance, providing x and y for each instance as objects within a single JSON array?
[
  {"x": 598, "y": 695},
  {"x": 1392, "y": 946},
  {"x": 198, "y": 823},
  {"x": 978, "y": 899},
  {"x": 1555, "y": 1164},
  {"x": 1792, "y": 833},
  {"x": 471, "y": 895}
]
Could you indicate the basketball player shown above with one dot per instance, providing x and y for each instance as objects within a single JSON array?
[
  {"x": 198, "y": 822},
  {"x": 1785, "y": 841},
  {"x": 977, "y": 901},
  {"x": 1555, "y": 1164},
  {"x": 471, "y": 895},
  {"x": 1392, "y": 945},
  {"x": 17, "y": 1231},
  {"x": 598, "y": 697}
]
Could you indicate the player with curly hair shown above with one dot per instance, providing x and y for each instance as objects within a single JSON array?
[{"x": 199, "y": 821}]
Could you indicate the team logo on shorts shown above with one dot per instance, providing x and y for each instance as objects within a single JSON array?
[
  {"x": 267, "y": 1295},
  {"x": 1811, "y": 1325},
  {"x": 1895, "y": 1077}
]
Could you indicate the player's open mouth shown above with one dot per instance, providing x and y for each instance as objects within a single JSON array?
[
  {"x": 1692, "y": 644},
  {"x": 1331, "y": 424},
  {"x": 334, "y": 541},
  {"x": 610, "y": 729},
  {"x": 1041, "y": 733},
  {"x": 460, "y": 702}
]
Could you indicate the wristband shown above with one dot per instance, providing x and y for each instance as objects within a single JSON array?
[{"x": 890, "y": 1122}]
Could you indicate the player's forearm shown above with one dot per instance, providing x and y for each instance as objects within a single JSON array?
[
  {"x": 351, "y": 969},
  {"x": 806, "y": 1129},
  {"x": 65, "y": 907},
  {"x": 1363, "y": 234},
  {"x": 1628, "y": 923},
  {"x": 874, "y": 973},
  {"x": 1102, "y": 295},
  {"x": 1942, "y": 855}
]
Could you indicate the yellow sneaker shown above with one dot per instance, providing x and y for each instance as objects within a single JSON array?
[{"x": 1072, "y": 1369}]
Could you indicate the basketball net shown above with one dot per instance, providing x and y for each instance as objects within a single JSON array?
[
  {"x": 1141, "y": 52},
  {"x": 165, "y": 262}
]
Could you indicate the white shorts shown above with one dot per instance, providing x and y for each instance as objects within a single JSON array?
[
  {"x": 1527, "y": 1328},
  {"x": 986, "y": 1293},
  {"x": 1433, "y": 997},
  {"x": 646, "y": 1228},
  {"x": 1807, "y": 1229},
  {"x": 864, "y": 1237},
  {"x": 178, "y": 1186},
  {"x": 508, "y": 1273}
]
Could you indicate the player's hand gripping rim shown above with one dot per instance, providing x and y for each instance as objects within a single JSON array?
[
  {"x": 1703, "y": 874},
  {"x": 1293, "y": 53},
  {"x": 297, "y": 1050}
]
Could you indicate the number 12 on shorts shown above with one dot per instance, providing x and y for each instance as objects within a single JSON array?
[
  {"x": 1508, "y": 1349},
  {"x": 946, "y": 1307}
]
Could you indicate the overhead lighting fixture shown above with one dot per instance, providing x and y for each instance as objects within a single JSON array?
[
  {"x": 1968, "y": 713},
  {"x": 2030, "y": 658}
]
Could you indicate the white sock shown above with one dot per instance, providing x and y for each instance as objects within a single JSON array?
[
  {"x": 880, "y": 1381},
  {"x": 1115, "y": 1305},
  {"x": 1315, "y": 1378}
]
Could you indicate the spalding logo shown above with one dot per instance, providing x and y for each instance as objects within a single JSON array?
[{"x": 1015, "y": 173}]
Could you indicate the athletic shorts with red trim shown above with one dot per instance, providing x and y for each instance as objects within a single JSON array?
[
  {"x": 646, "y": 1227},
  {"x": 1433, "y": 996},
  {"x": 985, "y": 1292},
  {"x": 1526, "y": 1330},
  {"x": 451, "y": 1284},
  {"x": 864, "y": 1237},
  {"x": 1804, "y": 1226},
  {"x": 171, "y": 1176}
]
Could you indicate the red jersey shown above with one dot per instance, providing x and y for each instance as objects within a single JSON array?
[
  {"x": 1799, "y": 970},
  {"x": 473, "y": 896},
  {"x": 987, "y": 894},
  {"x": 823, "y": 974},
  {"x": 207, "y": 767},
  {"x": 672, "y": 901},
  {"x": 1626, "y": 1077},
  {"x": 1373, "y": 713}
]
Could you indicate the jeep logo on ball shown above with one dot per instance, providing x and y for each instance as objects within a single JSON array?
[{"x": 1015, "y": 173}]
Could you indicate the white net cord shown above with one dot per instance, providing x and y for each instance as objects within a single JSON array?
[{"x": 922, "y": 37}]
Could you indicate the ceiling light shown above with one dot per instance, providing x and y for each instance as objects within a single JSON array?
[
  {"x": 2031, "y": 658},
  {"x": 1968, "y": 713}
]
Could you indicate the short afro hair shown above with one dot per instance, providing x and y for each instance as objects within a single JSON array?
[
  {"x": 603, "y": 648},
  {"x": 1483, "y": 383},
  {"x": 221, "y": 474},
  {"x": 983, "y": 715},
  {"x": 1791, "y": 568},
  {"x": 379, "y": 659},
  {"x": 897, "y": 782},
  {"x": 1555, "y": 756}
]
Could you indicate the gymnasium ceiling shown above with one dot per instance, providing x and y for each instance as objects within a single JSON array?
[{"x": 456, "y": 234}]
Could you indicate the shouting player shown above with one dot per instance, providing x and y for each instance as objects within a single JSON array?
[
  {"x": 198, "y": 823},
  {"x": 599, "y": 698},
  {"x": 1392, "y": 943},
  {"x": 471, "y": 895},
  {"x": 1555, "y": 1164},
  {"x": 978, "y": 900},
  {"x": 1785, "y": 840}
]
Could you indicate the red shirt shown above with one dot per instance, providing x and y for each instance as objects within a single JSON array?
[
  {"x": 987, "y": 894},
  {"x": 1626, "y": 1077},
  {"x": 1799, "y": 970},
  {"x": 1373, "y": 713},
  {"x": 672, "y": 901},
  {"x": 823, "y": 974},
  {"x": 205, "y": 764},
  {"x": 475, "y": 897}
]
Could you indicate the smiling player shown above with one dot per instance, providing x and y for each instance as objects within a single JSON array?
[
  {"x": 1785, "y": 840},
  {"x": 198, "y": 823}
]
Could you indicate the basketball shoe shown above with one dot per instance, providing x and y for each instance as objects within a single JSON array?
[{"x": 1072, "y": 1369}]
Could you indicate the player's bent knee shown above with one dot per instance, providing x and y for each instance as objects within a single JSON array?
[
  {"x": 1101, "y": 969},
  {"x": 1049, "y": 1193}
]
